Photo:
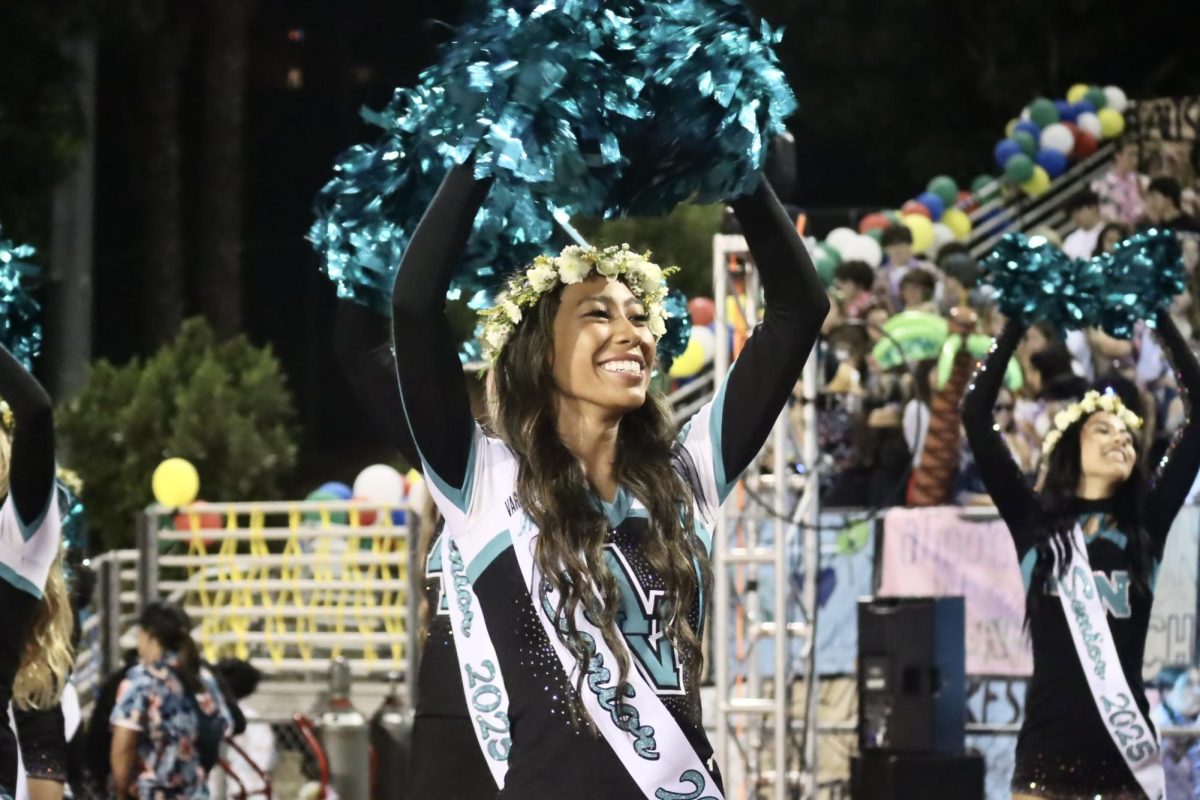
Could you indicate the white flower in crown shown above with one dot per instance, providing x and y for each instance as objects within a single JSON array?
[
  {"x": 657, "y": 322},
  {"x": 610, "y": 268},
  {"x": 495, "y": 337},
  {"x": 511, "y": 310},
  {"x": 1107, "y": 403},
  {"x": 542, "y": 275},
  {"x": 573, "y": 266}
]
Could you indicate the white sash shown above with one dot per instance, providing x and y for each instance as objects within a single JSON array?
[
  {"x": 479, "y": 669},
  {"x": 644, "y": 735},
  {"x": 1128, "y": 727}
]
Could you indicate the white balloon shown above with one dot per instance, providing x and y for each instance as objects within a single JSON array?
[
  {"x": 1025, "y": 114},
  {"x": 1087, "y": 121},
  {"x": 864, "y": 248},
  {"x": 840, "y": 237},
  {"x": 942, "y": 235},
  {"x": 1115, "y": 99},
  {"x": 381, "y": 483},
  {"x": 704, "y": 337},
  {"x": 1058, "y": 137}
]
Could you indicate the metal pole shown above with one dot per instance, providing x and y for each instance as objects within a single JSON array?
[
  {"x": 416, "y": 589},
  {"x": 109, "y": 609},
  {"x": 812, "y": 566},
  {"x": 780, "y": 608},
  {"x": 720, "y": 570},
  {"x": 147, "y": 568}
]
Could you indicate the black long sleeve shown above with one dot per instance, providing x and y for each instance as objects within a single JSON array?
[
  {"x": 31, "y": 473},
  {"x": 42, "y": 739},
  {"x": 1177, "y": 471},
  {"x": 1000, "y": 474},
  {"x": 766, "y": 371},
  {"x": 362, "y": 340},
  {"x": 432, "y": 385}
]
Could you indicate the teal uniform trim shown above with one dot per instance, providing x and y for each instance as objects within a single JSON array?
[
  {"x": 29, "y": 529},
  {"x": 621, "y": 508},
  {"x": 705, "y": 535},
  {"x": 724, "y": 487},
  {"x": 499, "y": 543},
  {"x": 10, "y": 575},
  {"x": 1027, "y": 564},
  {"x": 461, "y": 498}
]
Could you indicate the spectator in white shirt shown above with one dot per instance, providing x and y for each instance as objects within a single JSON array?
[{"x": 1084, "y": 209}]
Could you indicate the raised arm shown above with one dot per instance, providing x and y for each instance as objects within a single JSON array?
[
  {"x": 31, "y": 471},
  {"x": 432, "y": 385},
  {"x": 769, "y": 365},
  {"x": 1000, "y": 474},
  {"x": 362, "y": 340},
  {"x": 1177, "y": 472}
]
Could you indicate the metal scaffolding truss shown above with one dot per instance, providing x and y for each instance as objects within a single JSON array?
[{"x": 761, "y": 630}]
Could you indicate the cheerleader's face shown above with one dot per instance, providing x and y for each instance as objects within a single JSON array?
[
  {"x": 1106, "y": 448},
  {"x": 603, "y": 350}
]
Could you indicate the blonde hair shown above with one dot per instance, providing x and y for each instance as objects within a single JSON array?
[{"x": 48, "y": 656}]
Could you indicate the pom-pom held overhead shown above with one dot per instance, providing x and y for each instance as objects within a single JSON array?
[
  {"x": 595, "y": 107},
  {"x": 1037, "y": 282},
  {"x": 20, "y": 326}
]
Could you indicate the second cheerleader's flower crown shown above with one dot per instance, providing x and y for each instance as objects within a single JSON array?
[
  {"x": 575, "y": 264},
  {"x": 1092, "y": 402}
]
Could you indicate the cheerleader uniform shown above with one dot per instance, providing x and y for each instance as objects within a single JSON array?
[
  {"x": 1064, "y": 749},
  {"x": 29, "y": 539},
  {"x": 445, "y": 760},
  {"x": 473, "y": 478}
]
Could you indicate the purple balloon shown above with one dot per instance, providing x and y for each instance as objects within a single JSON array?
[
  {"x": 1054, "y": 162},
  {"x": 1004, "y": 150}
]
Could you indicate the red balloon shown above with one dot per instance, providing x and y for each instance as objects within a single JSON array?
[
  {"x": 1085, "y": 145},
  {"x": 913, "y": 207},
  {"x": 872, "y": 222},
  {"x": 965, "y": 202},
  {"x": 702, "y": 310},
  {"x": 211, "y": 521},
  {"x": 366, "y": 516}
]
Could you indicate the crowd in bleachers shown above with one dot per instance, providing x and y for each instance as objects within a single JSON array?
[{"x": 874, "y": 421}]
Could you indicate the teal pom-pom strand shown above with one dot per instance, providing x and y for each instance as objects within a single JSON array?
[
  {"x": 74, "y": 522},
  {"x": 1037, "y": 282},
  {"x": 679, "y": 330},
  {"x": 20, "y": 325}
]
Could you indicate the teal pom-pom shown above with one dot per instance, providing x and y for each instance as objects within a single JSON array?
[
  {"x": 1037, "y": 282},
  {"x": 1137, "y": 280},
  {"x": 679, "y": 329},
  {"x": 20, "y": 325},
  {"x": 73, "y": 519}
]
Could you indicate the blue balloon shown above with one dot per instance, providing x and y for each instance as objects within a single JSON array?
[
  {"x": 338, "y": 489},
  {"x": 1005, "y": 149},
  {"x": 1030, "y": 127},
  {"x": 933, "y": 203},
  {"x": 1066, "y": 111},
  {"x": 1082, "y": 106},
  {"x": 1054, "y": 162}
]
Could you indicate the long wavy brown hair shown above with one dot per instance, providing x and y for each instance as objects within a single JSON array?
[
  {"x": 556, "y": 494},
  {"x": 48, "y": 656}
]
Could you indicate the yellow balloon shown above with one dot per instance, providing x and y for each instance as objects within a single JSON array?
[
  {"x": 1010, "y": 127},
  {"x": 734, "y": 315},
  {"x": 690, "y": 361},
  {"x": 1076, "y": 92},
  {"x": 412, "y": 476},
  {"x": 1038, "y": 184},
  {"x": 958, "y": 222},
  {"x": 1112, "y": 123},
  {"x": 175, "y": 483},
  {"x": 922, "y": 231}
]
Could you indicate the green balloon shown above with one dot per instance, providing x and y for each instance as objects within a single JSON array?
[
  {"x": 946, "y": 190},
  {"x": 980, "y": 184},
  {"x": 1018, "y": 169},
  {"x": 1043, "y": 112},
  {"x": 826, "y": 260},
  {"x": 1029, "y": 145},
  {"x": 335, "y": 517},
  {"x": 1096, "y": 96},
  {"x": 876, "y": 234}
]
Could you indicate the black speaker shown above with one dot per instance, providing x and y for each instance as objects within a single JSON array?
[
  {"x": 917, "y": 776},
  {"x": 911, "y": 674}
]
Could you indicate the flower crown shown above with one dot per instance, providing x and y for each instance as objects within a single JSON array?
[
  {"x": 7, "y": 422},
  {"x": 1092, "y": 402},
  {"x": 644, "y": 278}
]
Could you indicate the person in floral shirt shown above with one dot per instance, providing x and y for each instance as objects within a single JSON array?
[{"x": 155, "y": 724}]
